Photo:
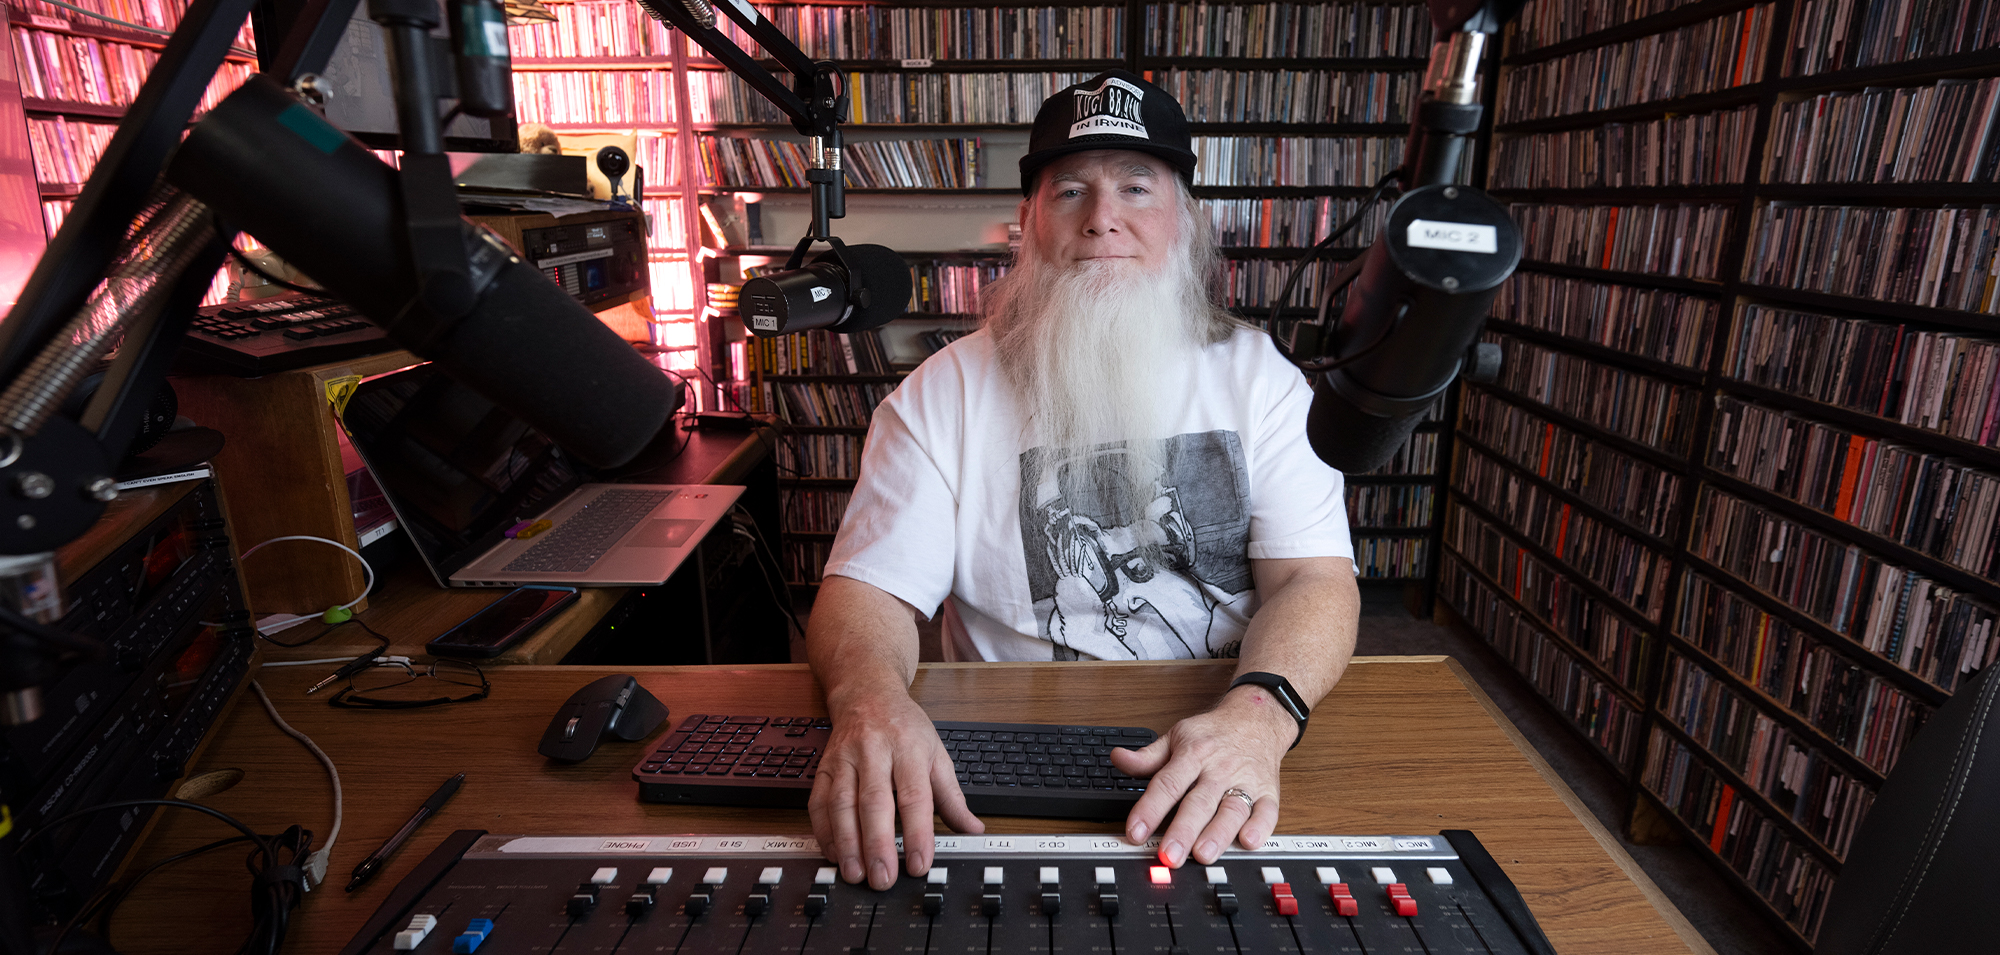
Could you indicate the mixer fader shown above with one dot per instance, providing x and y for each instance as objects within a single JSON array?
[{"x": 984, "y": 895}]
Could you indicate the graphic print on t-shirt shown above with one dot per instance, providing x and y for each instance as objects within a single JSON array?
[{"x": 1131, "y": 556}]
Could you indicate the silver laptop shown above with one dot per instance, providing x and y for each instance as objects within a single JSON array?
[{"x": 490, "y": 502}]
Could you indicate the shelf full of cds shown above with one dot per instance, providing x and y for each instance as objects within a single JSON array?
[
  {"x": 1297, "y": 110},
  {"x": 1753, "y": 359}
]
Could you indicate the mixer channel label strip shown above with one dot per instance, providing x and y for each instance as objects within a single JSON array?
[{"x": 947, "y": 845}]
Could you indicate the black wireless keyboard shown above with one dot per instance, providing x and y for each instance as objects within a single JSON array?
[
  {"x": 1006, "y": 769},
  {"x": 254, "y": 338}
]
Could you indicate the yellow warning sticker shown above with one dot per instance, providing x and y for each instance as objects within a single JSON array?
[{"x": 338, "y": 390}]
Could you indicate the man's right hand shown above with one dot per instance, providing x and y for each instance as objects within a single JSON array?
[{"x": 883, "y": 762}]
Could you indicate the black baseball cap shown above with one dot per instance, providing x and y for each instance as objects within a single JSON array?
[{"x": 1116, "y": 109}]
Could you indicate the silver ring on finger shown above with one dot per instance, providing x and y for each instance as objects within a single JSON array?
[{"x": 1249, "y": 802}]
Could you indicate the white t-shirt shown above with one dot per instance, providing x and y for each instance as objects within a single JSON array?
[{"x": 953, "y": 500}]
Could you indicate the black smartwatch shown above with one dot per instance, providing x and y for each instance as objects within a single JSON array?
[{"x": 1287, "y": 698}]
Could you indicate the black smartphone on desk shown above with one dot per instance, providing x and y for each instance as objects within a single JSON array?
[{"x": 503, "y": 622}]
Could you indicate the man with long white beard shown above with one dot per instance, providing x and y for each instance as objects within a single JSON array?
[{"x": 1111, "y": 468}]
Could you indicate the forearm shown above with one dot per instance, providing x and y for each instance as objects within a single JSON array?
[
  {"x": 1222, "y": 766},
  {"x": 1304, "y": 631},
  {"x": 861, "y": 642},
  {"x": 883, "y": 760}
]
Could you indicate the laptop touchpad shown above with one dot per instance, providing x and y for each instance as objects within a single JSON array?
[{"x": 665, "y": 532}]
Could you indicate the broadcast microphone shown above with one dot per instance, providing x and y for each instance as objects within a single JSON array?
[
  {"x": 485, "y": 68},
  {"x": 275, "y": 169},
  {"x": 848, "y": 288},
  {"x": 1413, "y": 315},
  {"x": 1411, "y": 323}
]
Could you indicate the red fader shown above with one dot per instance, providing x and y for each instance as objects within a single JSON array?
[
  {"x": 1399, "y": 899},
  {"x": 1281, "y": 893},
  {"x": 1343, "y": 900}
]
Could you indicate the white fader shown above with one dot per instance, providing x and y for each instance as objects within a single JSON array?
[{"x": 420, "y": 928}]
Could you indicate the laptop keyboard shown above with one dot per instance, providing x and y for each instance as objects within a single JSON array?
[
  {"x": 1009, "y": 769},
  {"x": 583, "y": 537}
]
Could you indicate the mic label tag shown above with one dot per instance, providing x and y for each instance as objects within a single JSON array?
[
  {"x": 1454, "y": 236},
  {"x": 764, "y": 323},
  {"x": 821, "y": 293}
]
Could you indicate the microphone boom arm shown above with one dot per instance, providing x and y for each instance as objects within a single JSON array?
[
  {"x": 816, "y": 108},
  {"x": 1419, "y": 299}
]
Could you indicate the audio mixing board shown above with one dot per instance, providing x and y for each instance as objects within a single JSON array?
[{"x": 984, "y": 895}]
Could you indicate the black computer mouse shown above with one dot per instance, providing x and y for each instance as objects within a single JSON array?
[{"x": 613, "y": 706}]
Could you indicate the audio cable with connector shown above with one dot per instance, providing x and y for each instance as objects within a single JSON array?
[
  {"x": 334, "y": 615},
  {"x": 278, "y": 866},
  {"x": 317, "y": 862},
  {"x": 362, "y": 662},
  {"x": 289, "y": 868}
]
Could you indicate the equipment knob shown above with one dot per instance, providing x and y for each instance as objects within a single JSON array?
[
  {"x": 34, "y": 485},
  {"x": 1482, "y": 362},
  {"x": 1343, "y": 900},
  {"x": 642, "y": 902},
  {"x": 420, "y": 928},
  {"x": 822, "y": 887},
  {"x": 474, "y": 936},
  {"x": 1400, "y": 900},
  {"x": 1225, "y": 902},
  {"x": 583, "y": 901}
]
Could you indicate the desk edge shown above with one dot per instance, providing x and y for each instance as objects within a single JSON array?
[
  {"x": 1661, "y": 904},
  {"x": 733, "y": 468}
]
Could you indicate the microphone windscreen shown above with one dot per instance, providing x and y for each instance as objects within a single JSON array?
[
  {"x": 526, "y": 346},
  {"x": 533, "y": 350},
  {"x": 882, "y": 273},
  {"x": 1349, "y": 438}
]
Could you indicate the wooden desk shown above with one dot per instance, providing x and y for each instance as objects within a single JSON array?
[
  {"x": 410, "y": 609},
  {"x": 1403, "y": 745}
]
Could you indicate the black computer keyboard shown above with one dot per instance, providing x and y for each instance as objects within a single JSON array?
[
  {"x": 1007, "y": 769},
  {"x": 274, "y": 334}
]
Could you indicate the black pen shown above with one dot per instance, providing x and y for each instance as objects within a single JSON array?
[{"x": 369, "y": 866}]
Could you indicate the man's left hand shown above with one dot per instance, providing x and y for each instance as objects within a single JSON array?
[{"x": 1201, "y": 764}]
